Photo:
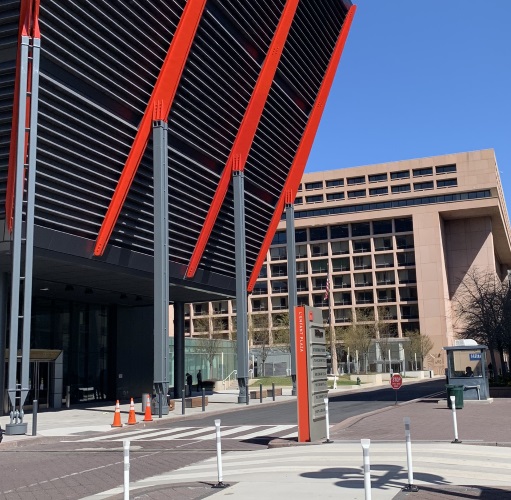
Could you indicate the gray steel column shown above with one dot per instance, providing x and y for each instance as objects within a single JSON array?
[
  {"x": 161, "y": 258},
  {"x": 291, "y": 286},
  {"x": 29, "y": 222},
  {"x": 179, "y": 348},
  {"x": 241, "y": 283},
  {"x": 18, "y": 226},
  {"x": 4, "y": 283}
]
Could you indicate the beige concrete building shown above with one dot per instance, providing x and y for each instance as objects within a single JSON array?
[{"x": 395, "y": 240}]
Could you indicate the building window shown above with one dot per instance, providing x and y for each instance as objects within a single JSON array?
[
  {"x": 300, "y": 235},
  {"x": 317, "y": 198},
  {"x": 420, "y": 186},
  {"x": 339, "y": 231},
  {"x": 279, "y": 286},
  {"x": 378, "y": 177},
  {"x": 278, "y": 270},
  {"x": 309, "y": 186},
  {"x": 352, "y": 181},
  {"x": 420, "y": 172},
  {"x": 302, "y": 285},
  {"x": 403, "y": 225},
  {"x": 378, "y": 191},
  {"x": 318, "y": 233},
  {"x": 361, "y": 229},
  {"x": 278, "y": 253},
  {"x": 382, "y": 226},
  {"x": 298, "y": 200},
  {"x": 334, "y": 196},
  {"x": 446, "y": 169},
  {"x": 401, "y": 188},
  {"x": 260, "y": 288},
  {"x": 279, "y": 238},
  {"x": 319, "y": 266},
  {"x": 361, "y": 246},
  {"x": 359, "y": 193},
  {"x": 402, "y": 174},
  {"x": 335, "y": 183},
  {"x": 447, "y": 183}
]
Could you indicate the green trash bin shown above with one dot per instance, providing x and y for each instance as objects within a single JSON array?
[{"x": 457, "y": 392}]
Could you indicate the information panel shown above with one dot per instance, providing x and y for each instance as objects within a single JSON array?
[{"x": 311, "y": 373}]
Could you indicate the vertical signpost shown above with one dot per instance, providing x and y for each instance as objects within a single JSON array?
[
  {"x": 396, "y": 381},
  {"x": 311, "y": 373}
]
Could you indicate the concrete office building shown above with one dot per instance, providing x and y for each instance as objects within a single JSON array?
[{"x": 394, "y": 239}]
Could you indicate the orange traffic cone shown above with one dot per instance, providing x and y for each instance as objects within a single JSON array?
[
  {"x": 117, "y": 415},
  {"x": 148, "y": 417},
  {"x": 132, "y": 419}
]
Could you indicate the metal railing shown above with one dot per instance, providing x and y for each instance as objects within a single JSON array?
[{"x": 227, "y": 380}]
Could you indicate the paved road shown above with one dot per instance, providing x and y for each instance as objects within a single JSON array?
[{"x": 76, "y": 467}]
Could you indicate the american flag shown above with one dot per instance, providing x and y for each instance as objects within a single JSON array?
[{"x": 327, "y": 288}]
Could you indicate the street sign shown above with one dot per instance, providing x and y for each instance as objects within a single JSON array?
[{"x": 396, "y": 381}]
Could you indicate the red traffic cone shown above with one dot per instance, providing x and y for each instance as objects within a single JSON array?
[
  {"x": 132, "y": 419},
  {"x": 117, "y": 415},
  {"x": 148, "y": 417}
]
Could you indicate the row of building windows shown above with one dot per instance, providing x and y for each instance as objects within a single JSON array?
[
  {"x": 383, "y": 205},
  {"x": 353, "y": 230},
  {"x": 381, "y": 177},
  {"x": 361, "y": 193},
  {"x": 355, "y": 280}
]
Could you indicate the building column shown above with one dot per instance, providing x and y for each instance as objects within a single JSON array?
[
  {"x": 241, "y": 283},
  {"x": 4, "y": 282},
  {"x": 291, "y": 282},
  {"x": 179, "y": 348},
  {"x": 161, "y": 260}
]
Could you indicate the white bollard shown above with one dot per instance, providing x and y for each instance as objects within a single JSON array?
[
  {"x": 455, "y": 423},
  {"x": 367, "y": 468},
  {"x": 327, "y": 422},
  {"x": 126, "y": 449},
  {"x": 220, "y": 483},
  {"x": 410, "y": 486},
  {"x": 335, "y": 381}
]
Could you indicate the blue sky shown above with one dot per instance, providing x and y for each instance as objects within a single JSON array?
[{"x": 420, "y": 79}]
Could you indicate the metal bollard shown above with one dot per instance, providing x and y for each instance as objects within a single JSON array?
[
  {"x": 220, "y": 483},
  {"x": 160, "y": 404},
  {"x": 410, "y": 486},
  {"x": 455, "y": 423},
  {"x": 68, "y": 396},
  {"x": 126, "y": 450},
  {"x": 327, "y": 422},
  {"x": 203, "y": 399},
  {"x": 247, "y": 395},
  {"x": 273, "y": 390},
  {"x": 35, "y": 406},
  {"x": 367, "y": 468},
  {"x": 260, "y": 393},
  {"x": 183, "y": 399}
]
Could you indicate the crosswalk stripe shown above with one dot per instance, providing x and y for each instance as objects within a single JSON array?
[
  {"x": 265, "y": 432},
  {"x": 195, "y": 433},
  {"x": 235, "y": 430}
]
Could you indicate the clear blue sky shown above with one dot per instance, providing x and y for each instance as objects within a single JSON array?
[{"x": 420, "y": 79}]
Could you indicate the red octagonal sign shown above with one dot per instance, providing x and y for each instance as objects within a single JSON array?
[{"x": 396, "y": 381}]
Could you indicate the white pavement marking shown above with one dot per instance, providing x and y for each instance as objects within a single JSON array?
[
  {"x": 266, "y": 432},
  {"x": 227, "y": 432}
]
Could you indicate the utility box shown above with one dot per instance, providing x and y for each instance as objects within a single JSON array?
[{"x": 311, "y": 373}]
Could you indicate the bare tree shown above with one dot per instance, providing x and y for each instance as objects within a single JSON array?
[
  {"x": 480, "y": 307},
  {"x": 201, "y": 325},
  {"x": 358, "y": 336},
  {"x": 281, "y": 334},
  {"x": 259, "y": 332},
  {"x": 210, "y": 348},
  {"x": 417, "y": 345}
]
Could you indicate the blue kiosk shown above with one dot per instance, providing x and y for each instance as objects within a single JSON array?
[{"x": 467, "y": 367}]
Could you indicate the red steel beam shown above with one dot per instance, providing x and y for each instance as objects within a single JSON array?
[
  {"x": 164, "y": 90},
  {"x": 245, "y": 136},
  {"x": 296, "y": 171},
  {"x": 28, "y": 26}
]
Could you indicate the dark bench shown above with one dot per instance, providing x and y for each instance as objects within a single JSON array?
[
  {"x": 257, "y": 394},
  {"x": 195, "y": 402},
  {"x": 278, "y": 392}
]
